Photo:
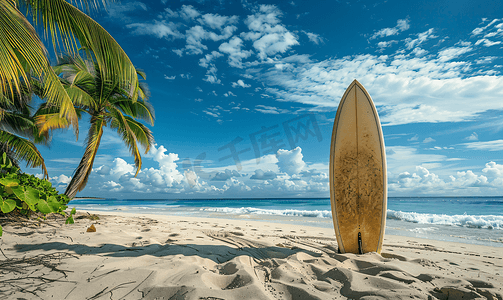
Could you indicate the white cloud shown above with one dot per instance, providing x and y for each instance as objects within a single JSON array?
[
  {"x": 496, "y": 145},
  {"x": 473, "y": 137},
  {"x": 215, "y": 21},
  {"x": 261, "y": 175},
  {"x": 428, "y": 140},
  {"x": 407, "y": 89},
  {"x": 403, "y": 159},
  {"x": 291, "y": 161},
  {"x": 270, "y": 110},
  {"x": 227, "y": 174},
  {"x": 122, "y": 10},
  {"x": 197, "y": 34},
  {"x": 487, "y": 43},
  {"x": 241, "y": 84},
  {"x": 480, "y": 30},
  {"x": 217, "y": 28},
  {"x": 275, "y": 175},
  {"x": 121, "y": 167},
  {"x": 268, "y": 35},
  {"x": 313, "y": 37},
  {"x": 414, "y": 138},
  {"x": 279, "y": 175},
  {"x": 236, "y": 54},
  {"x": 216, "y": 115},
  {"x": 169, "y": 77},
  {"x": 208, "y": 59},
  {"x": 103, "y": 170},
  {"x": 441, "y": 148},
  {"x": 453, "y": 52},
  {"x": 274, "y": 43},
  {"x": 74, "y": 161},
  {"x": 178, "y": 52},
  {"x": 421, "y": 38},
  {"x": 60, "y": 181},
  {"x": 405, "y": 114},
  {"x": 188, "y": 12},
  {"x": 166, "y": 178},
  {"x": 493, "y": 170},
  {"x": 424, "y": 182},
  {"x": 401, "y": 25},
  {"x": 386, "y": 44},
  {"x": 159, "y": 29},
  {"x": 234, "y": 186},
  {"x": 191, "y": 178},
  {"x": 485, "y": 59},
  {"x": 212, "y": 79}
]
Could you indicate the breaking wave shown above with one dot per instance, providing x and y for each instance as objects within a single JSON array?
[
  {"x": 277, "y": 212},
  {"x": 471, "y": 221}
]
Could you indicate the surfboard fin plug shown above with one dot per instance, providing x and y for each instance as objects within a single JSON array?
[{"x": 360, "y": 250}]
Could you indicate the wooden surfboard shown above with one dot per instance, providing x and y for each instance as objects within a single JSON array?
[{"x": 358, "y": 183}]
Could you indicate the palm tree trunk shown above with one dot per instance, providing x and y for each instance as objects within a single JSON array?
[{"x": 81, "y": 175}]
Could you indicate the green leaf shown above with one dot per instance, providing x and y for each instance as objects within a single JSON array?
[
  {"x": 73, "y": 211},
  {"x": 44, "y": 207},
  {"x": 8, "y": 181},
  {"x": 19, "y": 203},
  {"x": 69, "y": 220},
  {"x": 7, "y": 205},
  {"x": 1, "y": 230},
  {"x": 27, "y": 194},
  {"x": 53, "y": 202}
]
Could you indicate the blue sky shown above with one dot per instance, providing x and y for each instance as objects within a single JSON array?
[{"x": 245, "y": 94}]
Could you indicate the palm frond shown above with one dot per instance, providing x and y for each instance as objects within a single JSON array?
[
  {"x": 23, "y": 54},
  {"x": 63, "y": 21},
  {"x": 76, "y": 70},
  {"x": 18, "y": 43},
  {"x": 143, "y": 135},
  {"x": 127, "y": 135},
  {"x": 80, "y": 97},
  {"x": 81, "y": 175},
  {"x": 50, "y": 121},
  {"x": 140, "y": 109},
  {"x": 18, "y": 101},
  {"x": 22, "y": 149},
  {"x": 18, "y": 124}
]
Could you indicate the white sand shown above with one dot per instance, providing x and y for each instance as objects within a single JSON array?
[{"x": 165, "y": 257}]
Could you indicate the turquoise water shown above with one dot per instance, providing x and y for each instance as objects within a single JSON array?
[{"x": 475, "y": 220}]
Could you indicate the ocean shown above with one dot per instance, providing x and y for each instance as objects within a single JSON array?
[{"x": 473, "y": 220}]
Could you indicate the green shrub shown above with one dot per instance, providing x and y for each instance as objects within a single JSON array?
[{"x": 27, "y": 193}]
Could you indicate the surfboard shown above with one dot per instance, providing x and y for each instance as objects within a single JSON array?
[{"x": 358, "y": 183}]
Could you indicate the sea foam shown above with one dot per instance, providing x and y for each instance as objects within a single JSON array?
[
  {"x": 277, "y": 212},
  {"x": 472, "y": 221}
]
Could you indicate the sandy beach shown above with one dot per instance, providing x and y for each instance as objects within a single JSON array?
[{"x": 165, "y": 257}]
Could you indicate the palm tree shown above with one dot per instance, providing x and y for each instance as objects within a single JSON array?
[
  {"x": 23, "y": 55},
  {"x": 108, "y": 104},
  {"x": 18, "y": 133}
]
